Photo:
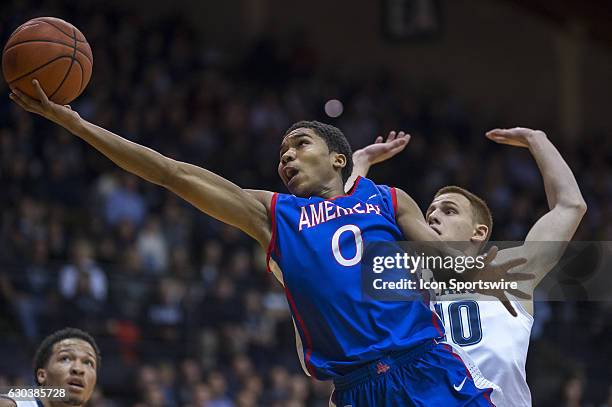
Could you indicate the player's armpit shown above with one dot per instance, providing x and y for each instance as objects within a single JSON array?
[{"x": 223, "y": 200}]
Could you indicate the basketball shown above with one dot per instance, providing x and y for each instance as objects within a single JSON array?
[{"x": 52, "y": 51}]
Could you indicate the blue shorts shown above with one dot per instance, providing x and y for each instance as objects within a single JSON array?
[{"x": 429, "y": 375}]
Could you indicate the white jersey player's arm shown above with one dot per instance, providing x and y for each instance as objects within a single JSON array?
[
  {"x": 566, "y": 204},
  {"x": 7, "y": 402},
  {"x": 376, "y": 152},
  {"x": 209, "y": 192}
]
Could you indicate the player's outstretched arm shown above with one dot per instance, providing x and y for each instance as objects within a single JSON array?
[
  {"x": 545, "y": 242},
  {"x": 212, "y": 194},
  {"x": 376, "y": 152}
]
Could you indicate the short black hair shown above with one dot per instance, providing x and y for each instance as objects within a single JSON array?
[
  {"x": 334, "y": 138},
  {"x": 43, "y": 353}
]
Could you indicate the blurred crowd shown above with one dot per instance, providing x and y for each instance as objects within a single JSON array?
[{"x": 181, "y": 305}]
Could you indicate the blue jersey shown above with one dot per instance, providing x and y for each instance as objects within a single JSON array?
[{"x": 318, "y": 244}]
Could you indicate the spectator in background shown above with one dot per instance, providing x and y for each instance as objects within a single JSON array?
[
  {"x": 164, "y": 320},
  {"x": 218, "y": 389},
  {"x": 29, "y": 292},
  {"x": 201, "y": 395},
  {"x": 82, "y": 284},
  {"x": 212, "y": 252},
  {"x": 125, "y": 203},
  {"x": 572, "y": 392},
  {"x": 152, "y": 247}
]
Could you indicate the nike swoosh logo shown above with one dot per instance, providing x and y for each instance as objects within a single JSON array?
[{"x": 458, "y": 388}]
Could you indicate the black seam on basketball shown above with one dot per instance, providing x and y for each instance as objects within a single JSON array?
[
  {"x": 59, "y": 29},
  {"x": 82, "y": 74},
  {"x": 72, "y": 59},
  {"x": 49, "y": 41},
  {"x": 37, "y": 68}
]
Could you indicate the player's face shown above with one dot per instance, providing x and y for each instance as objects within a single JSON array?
[
  {"x": 306, "y": 164},
  {"x": 450, "y": 216},
  {"x": 72, "y": 366}
]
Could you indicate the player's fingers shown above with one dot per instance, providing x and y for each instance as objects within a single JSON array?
[
  {"x": 403, "y": 134},
  {"x": 391, "y": 136},
  {"x": 378, "y": 140},
  {"x": 500, "y": 132},
  {"x": 514, "y": 262},
  {"x": 507, "y": 304},
  {"x": 519, "y": 294},
  {"x": 495, "y": 136},
  {"x": 24, "y": 100},
  {"x": 490, "y": 255},
  {"x": 18, "y": 101},
  {"x": 519, "y": 276},
  {"x": 68, "y": 107},
  {"x": 23, "y": 97},
  {"x": 42, "y": 96},
  {"x": 399, "y": 144}
]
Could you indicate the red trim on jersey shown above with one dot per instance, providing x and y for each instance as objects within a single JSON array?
[
  {"x": 394, "y": 200},
  {"x": 350, "y": 192},
  {"x": 305, "y": 331},
  {"x": 434, "y": 320},
  {"x": 273, "y": 227},
  {"x": 487, "y": 396}
]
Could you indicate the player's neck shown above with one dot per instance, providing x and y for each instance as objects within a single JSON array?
[
  {"x": 472, "y": 250},
  {"x": 331, "y": 190}
]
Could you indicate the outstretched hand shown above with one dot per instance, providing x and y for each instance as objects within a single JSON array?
[
  {"x": 517, "y": 136},
  {"x": 495, "y": 272},
  {"x": 60, "y": 114},
  {"x": 383, "y": 150}
]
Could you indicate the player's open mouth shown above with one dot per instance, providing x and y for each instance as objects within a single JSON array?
[
  {"x": 77, "y": 384},
  {"x": 290, "y": 173}
]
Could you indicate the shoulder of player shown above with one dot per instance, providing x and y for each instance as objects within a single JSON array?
[
  {"x": 404, "y": 203},
  {"x": 264, "y": 197},
  {"x": 7, "y": 402}
]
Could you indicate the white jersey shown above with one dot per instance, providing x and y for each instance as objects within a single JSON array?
[{"x": 495, "y": 340}]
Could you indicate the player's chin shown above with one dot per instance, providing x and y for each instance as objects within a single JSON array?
[
  {"x": 75, "y": 399},
  {"x": 297, "y": 188}
]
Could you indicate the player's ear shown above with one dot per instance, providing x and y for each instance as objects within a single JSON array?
[
  {"x": 480, "y": 233},
  {"x": 339, "y": 160},
  {"x": 41, "y": 376}
]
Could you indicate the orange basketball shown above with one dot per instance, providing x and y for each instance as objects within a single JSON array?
[{"x": 52, "y": 51}]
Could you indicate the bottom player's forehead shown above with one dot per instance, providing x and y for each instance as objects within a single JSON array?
[
  {"x": 450, "y": 198},
  {"x": 74, "y": 345}
]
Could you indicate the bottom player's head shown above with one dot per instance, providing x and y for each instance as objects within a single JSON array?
[
  {"x": 458, "y": 215},
  {"x": 313, "y": 158},
  {"x": 69, "y": 359}
]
